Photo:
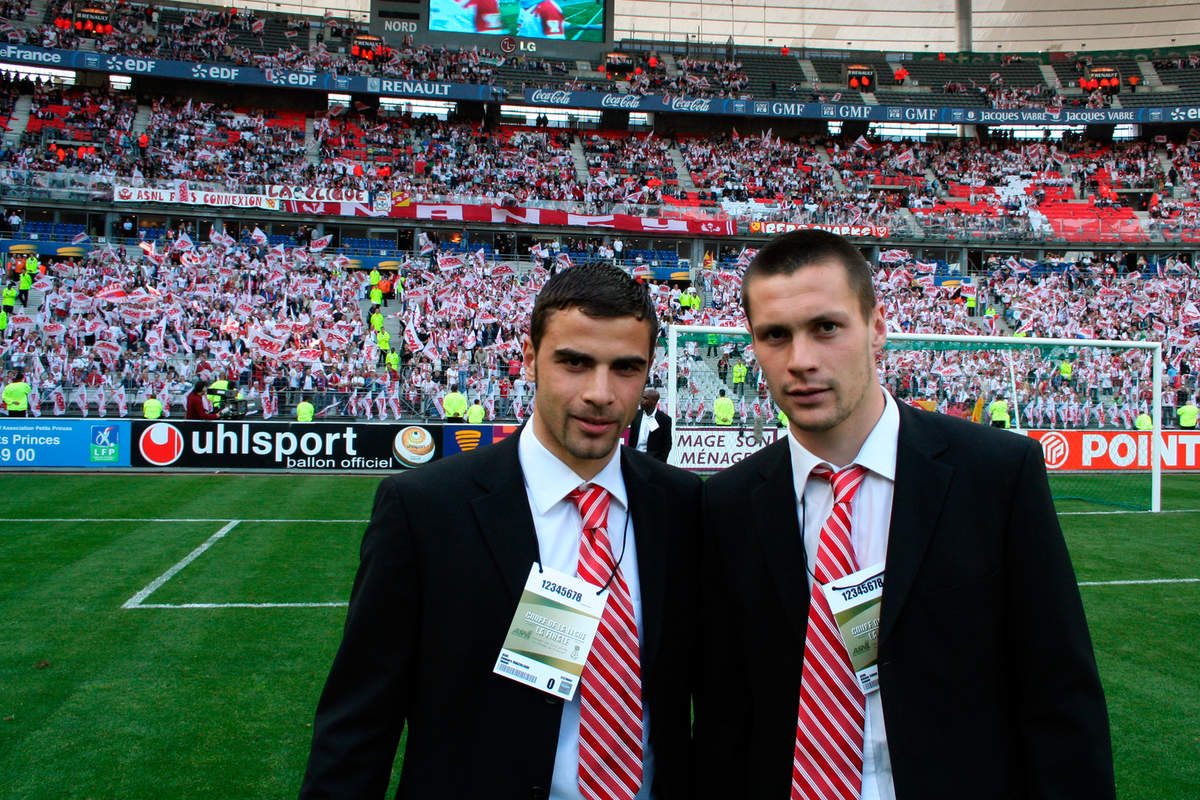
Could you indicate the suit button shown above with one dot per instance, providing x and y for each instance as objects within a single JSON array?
[{"x": 538, "y": 793}]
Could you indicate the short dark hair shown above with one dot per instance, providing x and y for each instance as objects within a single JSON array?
[
  {"x": 791, "y": 251},
  {"x": 598, "y": 290}
]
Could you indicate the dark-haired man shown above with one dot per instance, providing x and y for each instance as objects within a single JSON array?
[
  {"x": 650, "y": 431},
  {"x": 453, "y": 548},
  {"x": 898, "y": 616}
]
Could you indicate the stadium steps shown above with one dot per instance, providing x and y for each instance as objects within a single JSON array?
[
  {"x": 142, "y": 121},
  {"x": 913, "y": 223},
  {"x": 579, "y": 160},
  {"x": 869, "y": 98},
  {"x": 1049, "y": 76},
  {"x": 670, "y": 66},
  {"x": 686, "y": 183},
  {"x": 312, "y": 148},
  {"x": 1150, "y": 76},
  {"x": 823, "y": 157},
  {"x": 810, "y": 72},
  {"x": 18, "y": 121},
  {"x": 38, "y": 11},
  {"x": 932, "y": 180},
  {"x": 1144, "y": 222},
  {"x": 1115, "y": 101}
]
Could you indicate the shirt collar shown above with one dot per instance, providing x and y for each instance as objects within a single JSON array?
[
  {"x": 548, "y": 480},
  {"x": 877, "y": 454}
]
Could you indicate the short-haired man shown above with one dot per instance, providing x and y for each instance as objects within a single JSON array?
[
  {"x": 650, "y": 431},
  {"x": 934, "y": 542},
  {"x": 452, "y": 546}
]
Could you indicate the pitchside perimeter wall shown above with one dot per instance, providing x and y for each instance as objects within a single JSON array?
[{"x": 356, "y": 446}]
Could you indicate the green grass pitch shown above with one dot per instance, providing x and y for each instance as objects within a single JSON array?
[
  {"x": 584, "y": 18},
  {"x": 189, "y": 696}
]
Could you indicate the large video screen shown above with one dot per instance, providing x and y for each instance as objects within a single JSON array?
[{"x": 570, "y": 20}]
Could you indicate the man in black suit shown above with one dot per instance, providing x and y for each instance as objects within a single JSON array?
[
  {"x": 446, "y": 556},
  {"x": 984, "y": 684},
  {"x": 654, "y": 426}
]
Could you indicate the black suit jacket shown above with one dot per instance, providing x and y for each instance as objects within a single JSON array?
[
  {"x": 443, "y": 563},
  {"x": 658, "y": 443},
  {"x": 989, "y": 686}
]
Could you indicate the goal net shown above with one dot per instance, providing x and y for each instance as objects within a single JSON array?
[{"x": 1095, "y": 406}]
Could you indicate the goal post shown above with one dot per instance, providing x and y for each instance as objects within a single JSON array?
[{"x": 1082, "y": 399}]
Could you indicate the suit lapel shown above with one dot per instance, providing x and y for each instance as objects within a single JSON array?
[
  {"x": 503, "y": 513},
  {"x": 917, "y": 502},
  {"x": 776, "y": 526},
  {"x": 649, "y": 511}
]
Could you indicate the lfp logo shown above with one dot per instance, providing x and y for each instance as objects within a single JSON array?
[
  {"x": 105, "y": 445},
  {"x": 1056, "y": 449}
]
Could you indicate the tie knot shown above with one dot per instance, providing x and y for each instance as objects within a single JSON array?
[
  {"x": 592, "y": 502},
  {"x": 845, "y": 482}
]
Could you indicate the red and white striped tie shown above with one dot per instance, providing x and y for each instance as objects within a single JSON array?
[
  {"x": 829, "y": 730},
  {"x": 610, "y": 689}
]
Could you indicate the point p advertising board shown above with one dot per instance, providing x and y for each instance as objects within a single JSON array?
[{"x": 1068, "y": 451}]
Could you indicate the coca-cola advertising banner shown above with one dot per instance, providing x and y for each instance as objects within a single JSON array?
[{"x": 1116, "y": 450}]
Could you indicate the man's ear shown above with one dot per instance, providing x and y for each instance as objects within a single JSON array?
[{"x": 530, "y": 355}]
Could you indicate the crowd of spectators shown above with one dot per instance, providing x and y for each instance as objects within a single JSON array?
[
  {"x": 105, "y": 332},
  {"x": 997, "y": 188}
]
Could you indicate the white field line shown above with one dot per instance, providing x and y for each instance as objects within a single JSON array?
[
  {"x": 166, "y": 519},
  {"x": 244, "y": 605},
  {"x": 155, "y": 584},
  {"x": 1140, "y": 582},
  {"x": 1099, "y": 513}
]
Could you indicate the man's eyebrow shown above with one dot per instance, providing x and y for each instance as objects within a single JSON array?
[
  {"x": 565, "y": 353},
  {"x": 568, "y": 353},
  {"x": 630, "y": 361}
]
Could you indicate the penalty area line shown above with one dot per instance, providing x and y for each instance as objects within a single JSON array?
[{"x": 157, "y": 583}]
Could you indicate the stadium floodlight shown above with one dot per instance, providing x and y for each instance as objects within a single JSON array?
[{"x": 1087, "y": 427}]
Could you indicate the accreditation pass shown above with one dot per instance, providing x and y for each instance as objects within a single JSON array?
[
  {"x": 855, "y": 601},
  {"x": 552, "y": 632}
]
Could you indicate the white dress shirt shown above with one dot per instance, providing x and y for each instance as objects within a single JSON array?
[
  {"x": 648, "y": 426},
  {"x": 559, "y": 527},
  {"x": 870, "y": 518}
]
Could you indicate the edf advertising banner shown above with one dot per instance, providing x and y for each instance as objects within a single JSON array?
[{"x": 74, "y": 443}]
